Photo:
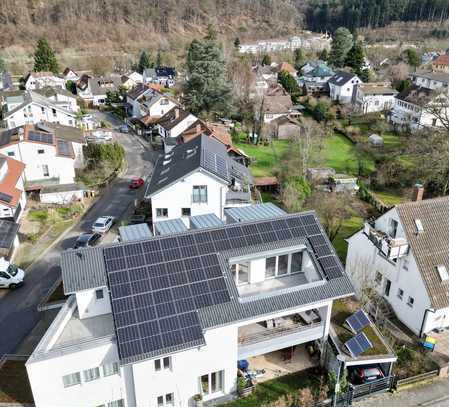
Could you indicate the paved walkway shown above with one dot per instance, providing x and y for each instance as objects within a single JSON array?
[{"x": 433, "y": 394}]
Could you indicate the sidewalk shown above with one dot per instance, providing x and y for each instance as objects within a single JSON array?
[{"x": 434, "y": 394}]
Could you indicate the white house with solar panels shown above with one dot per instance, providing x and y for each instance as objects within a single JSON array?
[
  {"x": 197, "y": 178},
  {"x": 51, "y": 154},
  {"x": 161, "y": 321}
]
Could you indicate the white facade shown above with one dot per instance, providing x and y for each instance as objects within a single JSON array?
[
  {"x": 432, "y": 80},
  {"x": 175, "y": 131},
  {"x": 307, "y": 40},
  {"x": 151, "y": 103},
  {"x": 399, "y": 282},
  {"x": 367, "y": 102},
  {"x": 343, "y": 93},
  {"x": 40, "y": 80}
]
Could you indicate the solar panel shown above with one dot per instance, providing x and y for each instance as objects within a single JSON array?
[
  {"x": 40, "y": 137},
  {"x": 358, "y": 321},
  {"x": 357, "y": 345},
  {"x": 5, "y": 197}
]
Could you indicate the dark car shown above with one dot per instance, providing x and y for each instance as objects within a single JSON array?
[
  {"x": 365, "y": 374},
  {"x": 136, "y": 183},
  {"x": 87, "y": 240}
]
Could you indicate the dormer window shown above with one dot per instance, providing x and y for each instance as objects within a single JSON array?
[
  {"x": 419, "y": 226},
  {"x": 442, "y": 271}
]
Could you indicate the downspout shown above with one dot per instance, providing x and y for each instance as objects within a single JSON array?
[{"x": 421, "y": 331}]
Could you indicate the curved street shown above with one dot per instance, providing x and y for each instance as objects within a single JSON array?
[{"x": 18, "y": 308}]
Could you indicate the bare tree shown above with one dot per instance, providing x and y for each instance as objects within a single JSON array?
[{"x": 438, "y": 109}]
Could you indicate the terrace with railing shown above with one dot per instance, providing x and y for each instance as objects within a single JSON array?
[{"x": 389, "y": 247}]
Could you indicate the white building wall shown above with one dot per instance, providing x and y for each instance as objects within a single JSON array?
[
  {"x": 180, "y": 127},
  {"x": 35, "y": 113},
  {"x": 374, "y": 103},
  {"x": 362, "y": 263},
  {"x": 179, "y": 196},
  {"x": 343, "y": 94},
  {"x": 90, "y": 306},
  {"x": 45, "y": 378},
  {"x": 161, "y": 107}
]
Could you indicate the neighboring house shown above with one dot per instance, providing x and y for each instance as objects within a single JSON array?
[
  {"x": 197, "y": 178},
  {"x": 131, "y": 80},
  {"x": 12, "y": 191},
  {"x": 276, "y": 106},
  {"x": 314, "y": 78},
  {"x": 160, "y": 321},
  {"x": 374, "y": 97},
  {"x": 94, "y": 89},
  {"x": 51, "y": 153},
  {"x": 441, "y": 63},
  {"x": 286, "y": 67},
  {"x": 6, "y": 83},
  {"x": 404, "y": 256},
  {"x": 342, "y": 86},
  {"x": 61, "y": 97},
  {"x": 413, "y": 108},
  {"x": 30, "y": 107},
  {"x": 70, "y": 75},
  {"x": 172, "y": 124},
  {"x": 38, "y": 80},
  {"x": 162, "y": 75},
  {"x": 285, "y": 128},
  {"x": 149, "y": 76},
  {"x": 145, "y": 101},
  {"x": 306, "y": 40},
  {"x": 431, "y": 80}
]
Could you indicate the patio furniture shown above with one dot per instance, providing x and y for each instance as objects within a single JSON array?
[{"x": 310, "y": 317}]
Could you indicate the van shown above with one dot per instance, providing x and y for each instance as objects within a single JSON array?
[{"x": 11, "y": 276}]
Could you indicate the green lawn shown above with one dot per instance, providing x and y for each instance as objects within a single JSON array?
[
  {"x": 264, "y": 158},
  {"x": 350, "y": 226},
  {"x": 341, "y": 155},
  {"x": 390, "y": 197}
]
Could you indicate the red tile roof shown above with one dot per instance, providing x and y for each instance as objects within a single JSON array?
[
  {"x": 9, "y": 182},
  {"x": 442, "y": 60}
]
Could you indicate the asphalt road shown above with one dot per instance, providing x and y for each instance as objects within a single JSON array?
[{"x": 18, "y": 308}]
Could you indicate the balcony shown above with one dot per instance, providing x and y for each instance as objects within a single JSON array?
[
  {"x": 390, "y": 248},
  {"x": 271, "y": 335},
  {"x": 238, "y": 197}
]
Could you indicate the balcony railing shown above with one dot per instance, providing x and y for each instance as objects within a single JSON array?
[
  {"x": 238, "y": 197},
  {"x": 391, "y": 248},
  {"x": 277, "y": 332}
]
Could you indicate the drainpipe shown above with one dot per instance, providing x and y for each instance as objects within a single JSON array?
[
  {"x": 337, "y": 383},
  {"x": 421, "y": 331}
]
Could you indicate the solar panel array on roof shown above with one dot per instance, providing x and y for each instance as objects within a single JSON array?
[
  {"x": 215, "y": 163},
  {"x": 169, "y": 227},
  {"x": 5, "y": 197},
  {"x": 65, "y": 148},
  {"x": 357, "y": 345},
  {"x": 40, "y": 137},
  {"x": 358, "y": 321},
  {"x": 167, "y": 277}
]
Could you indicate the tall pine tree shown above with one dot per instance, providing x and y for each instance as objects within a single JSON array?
[
  {"x": 144, "y": 62},
  {"x": 355, "y": 58},
  {"x": 45, "y": 58},
  {"x": 206, "y": 90},
  {"x": 341, "y": 44}
]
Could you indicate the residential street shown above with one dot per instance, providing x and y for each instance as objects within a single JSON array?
[
  {"x": 18, "y": 309},
  {"x": 435, "y": 394}
]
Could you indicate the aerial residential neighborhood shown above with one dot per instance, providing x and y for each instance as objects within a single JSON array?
[{"x": 216, "y": 205}]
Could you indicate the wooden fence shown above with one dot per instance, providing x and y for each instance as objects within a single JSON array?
[{"x": 416, "y": 379}]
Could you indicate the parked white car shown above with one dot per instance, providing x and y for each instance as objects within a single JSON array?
[
  {"x": 11, "y": 276},
  {"x": 103, "y": 224}
]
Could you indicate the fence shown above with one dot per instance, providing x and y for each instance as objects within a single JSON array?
[{"x": 415, "y": 379}]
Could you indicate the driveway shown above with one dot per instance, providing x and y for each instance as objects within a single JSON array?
[
  {"x": 18, "y": 308},
  {"x": 435, "y": 394}
]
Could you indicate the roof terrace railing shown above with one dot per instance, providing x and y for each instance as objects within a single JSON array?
[{"x": 391, "y": 248}]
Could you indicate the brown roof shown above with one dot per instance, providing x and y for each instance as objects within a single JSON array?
[
  {"x": 42, "y": 74},
  {"x": 276, "y": 90},
  {"x": 416, "y": 95},
  {"x": 9, "y": 182},
  {"x": 265, "y": 181},
  {"x": 277, "y": 104},
  {"x": 430, "y": 247},
  {"x": 377, "y": 88},
  {"x": 285, "y": 66},
  {"x": 441, "y": 60}
]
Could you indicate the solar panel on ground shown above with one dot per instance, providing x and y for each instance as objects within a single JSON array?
[
  {"x": 357, "y": 345},
  {"x": 40, "y": 137},
  {"x": 358, "y": 321}
]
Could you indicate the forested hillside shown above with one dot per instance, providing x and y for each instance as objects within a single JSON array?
[{"x": 328, "y": 15}]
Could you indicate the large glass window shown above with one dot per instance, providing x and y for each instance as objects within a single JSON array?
[
  {"x": 167, "y": 400},
  {"x": 199, "y": 194},
  {"x": 212, "y": 382},
  {"x": 240, "y": 272},
  {"x": 282, "y": 265},
  {"x": 296, "y": 264},
  {"x": 270, "y": 267},
  {"x": 110, "y": 369},
  {"x": 71, "y": 379},
  {"x": 91, "y": 374}
]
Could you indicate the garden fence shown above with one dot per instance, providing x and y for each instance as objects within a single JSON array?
[{"x": 415, "y": 379}]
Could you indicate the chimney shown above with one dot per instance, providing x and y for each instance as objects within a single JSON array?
[
  {"x": 418, "y": 192},
  {"x": 176, "y": 113}
]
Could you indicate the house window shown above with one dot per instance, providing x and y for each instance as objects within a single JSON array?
[
  {"x": 164, "y": 101},
  {"x": 45, "y": 170},
  {"x": 42, "y": 110},
  {"x": 110, "y": 369},
  {"x": 185, "y": 211},
  {"x": 378, "y": 278},
  {"x": 400, "y": 293},
  {"x": 410, "y": 301},
  {"x": 405, "y": 265},
  {"x": 162, "y": 212},
  {"x": 162, "y": 364},
  {"x": 296, "y": 264},
  {"x": 54, "y": 112},
  {"x": 212, "y": 383},
  {"x": 40, "y": 151},
  {"x": 270, "y": 267},
  {"x": 91, "y": 374},
  {"x": 392, "y": 228},
  {"x": 282, "y": 265},
  {"x": 240, "y": 272},
  {"x": 71, "y": 379},
  {"x": 99, "y": 295},
  {"x": 117, "y": 403},
  {"x": 199, "y": 194},
  {"x": 167, "y": 400},
  {"x": 11, "y": 153}
]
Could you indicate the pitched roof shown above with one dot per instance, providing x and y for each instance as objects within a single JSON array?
[
  {"x": 10, "y": 194},
  {"x": 441, "y": 60},
  {"x": 277, "y": 104},
  {"x": 167, "y": 276},
  {"x": 102, "y": 84},
  {"x": 416, "y": 95},
  {"x": 48, "y": 91},
  {"x": 138, "y": 91},
  {"x": 430, "y": 247},
  {"x": 165, "y": 71},
  {"x": 377, "y": 88},
  {"x": 341, "y": 78},
  {"x": 172, "y": 118},
  {"x": 433, "y": 75},
  {"x": 203, "y": 153},
  {"x": 285, "y": 66}
]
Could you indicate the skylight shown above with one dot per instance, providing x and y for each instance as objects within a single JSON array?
[
  {"x": 442, "y": 271},
  {"x": 166, "y": 162},
  {"x": 419, "y": 226}
]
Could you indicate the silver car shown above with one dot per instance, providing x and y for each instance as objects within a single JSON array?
[{"x": 103, "y": 224}]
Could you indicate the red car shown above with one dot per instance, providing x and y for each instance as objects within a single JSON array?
[{"x": 136, "y": 183}]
